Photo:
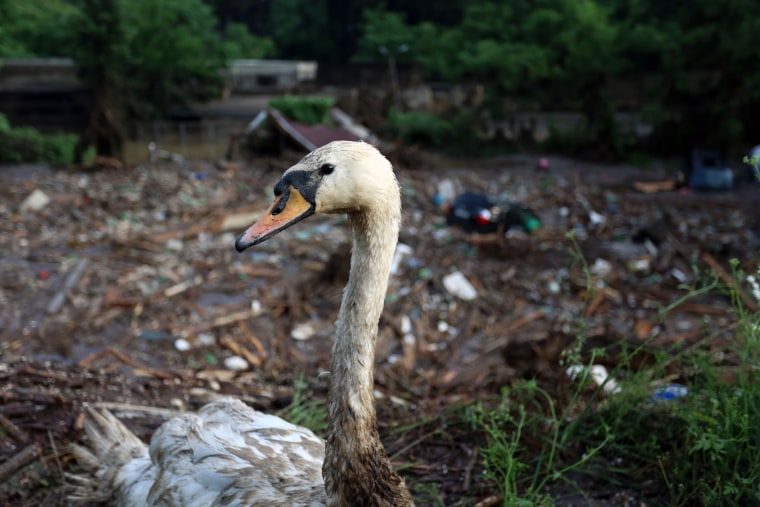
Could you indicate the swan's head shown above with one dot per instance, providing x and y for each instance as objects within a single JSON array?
[{"x": 340, "y": 177}]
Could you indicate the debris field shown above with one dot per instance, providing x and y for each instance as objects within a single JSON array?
[{"x": 122, "y": 288}]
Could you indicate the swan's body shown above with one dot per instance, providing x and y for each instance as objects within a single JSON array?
[{"x": 230, "y": 454}]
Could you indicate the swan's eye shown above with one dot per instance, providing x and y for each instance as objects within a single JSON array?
[{"x": 326, "y": 169}]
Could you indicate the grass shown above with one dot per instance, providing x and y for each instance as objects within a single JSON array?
[
  {"x": 701, "y": 449},
  {"x": 304, "y": 410}
]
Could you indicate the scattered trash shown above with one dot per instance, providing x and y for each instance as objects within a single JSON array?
[
  {"x": 235, "y": 363},
  {"x": 543, "y": 164},
  {"x": 678, "y": 275},
  {"x": 303, "y": 331},
  {"x": 653, "y": 187},
  {"x": 457, "y": 285},
  {"x": 707, "y": 170},
  {"x": 444, "y": 193},
  {"x": 154, "y": 335},
  {"x": 670, "y": 392},
  {"x": 206, "y": 339},
  {"x": 34, "y": 201},
  {"x": 156, "y": 154},
  {"x": 182, "y": 345},
  {"x": 475, "y": 212},
  {"x": 752, "y": 280},
  {"x": 639, "y": 265},
  {"x": 152, "y": 233},
  {"x": 406, "y": 325},
  {"x": 175, "y": 245},
  {"x": 595, "y": 218},
  {"x": 597, "y": 373},
  {"x": 71, "y": 280},
  {"x": 601, "y": 268}
]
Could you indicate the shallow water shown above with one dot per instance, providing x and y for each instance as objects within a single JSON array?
[{"x": 207, "y": 140}]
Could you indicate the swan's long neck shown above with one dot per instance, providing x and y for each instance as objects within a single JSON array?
[{"x": 357, "y": 470}]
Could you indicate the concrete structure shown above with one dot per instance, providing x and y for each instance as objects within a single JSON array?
[{"x": 266, "y": 76}]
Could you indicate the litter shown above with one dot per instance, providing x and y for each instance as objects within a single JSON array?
[
  {"x": 235, "y": 363},
  {"x": 302, "y": 331},
  {"x": 707, "y": 170},
  {"x": 457, "y": 285},
  {"x": 475, "y": 212},
  {"x": 597, "y": 373},
  {"x": 35, "y": 201},
  {"x": 670, "y": 392}
]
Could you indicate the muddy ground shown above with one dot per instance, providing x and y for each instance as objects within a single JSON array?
[{"x": 124, "y": 290}]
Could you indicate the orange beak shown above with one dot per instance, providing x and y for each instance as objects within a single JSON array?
[{"x": 287, "y": 209}]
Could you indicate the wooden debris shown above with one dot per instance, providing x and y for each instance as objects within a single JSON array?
[
  {"x": 511, "y": 328},
  {"x": 192, "y": 229},
  {"x": 71, "y": 280},
  {"x": 87, "y": 361},
  {"x": 228, "y": 342},
  {"x": 21, "y": 459},
  {"x": 131, "y": 410},
  {"x": 531, "y": 297},
  {"x": 490, "y": 501},
  {"x": 653, "y": 187},
  {"x": 17, "y": 433},
  {"x": 239, "y": 220},
  {"x": 253, "y": 340},
  {"x": 181, "y": 287}
]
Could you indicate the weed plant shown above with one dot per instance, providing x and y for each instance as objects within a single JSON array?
[{"x": 699, "y": 449}]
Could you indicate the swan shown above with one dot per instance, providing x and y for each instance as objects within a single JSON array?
[{"x": 230, "y": 454}]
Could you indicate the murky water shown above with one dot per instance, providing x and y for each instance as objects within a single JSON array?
[{"x": 206, "y": 140}]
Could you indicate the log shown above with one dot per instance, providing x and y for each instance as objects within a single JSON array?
[
  {"x": 17, "y": 433},
  {"x": 21, "y": 459}
]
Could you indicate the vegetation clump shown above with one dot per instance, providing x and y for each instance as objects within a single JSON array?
[
  {"x": 308, "y": 110},
  {"x": 27, "y": 144},
  {"x": 701, "y": 447}
]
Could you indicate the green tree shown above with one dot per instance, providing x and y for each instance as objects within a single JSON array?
[
  {"x": 100, "y": 52},
  {"x": 141, "y": 57},
  {"x": 701, "y": 62},
  {"x": 241, "y": 43},
  {"x": 383, "y": 29},
  {"x": 586, "y": 54},
  {"x": 301, "y": 29},
  {"x": 174, "y": 55},
  {"x": 35, "y": 28}
]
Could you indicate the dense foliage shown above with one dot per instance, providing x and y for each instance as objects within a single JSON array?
[
  {"x": 308, "y": 110},
  {"x": 688, "y": 69},
  {"x": 26, "y": 144}
]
